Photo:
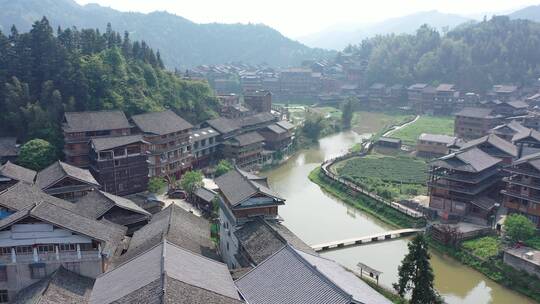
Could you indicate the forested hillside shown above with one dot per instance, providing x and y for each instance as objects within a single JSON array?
[
  {"x": 44, "y": 74},
  {"x": 182, "y": 43},
  {"x": 473, "y": 56}
]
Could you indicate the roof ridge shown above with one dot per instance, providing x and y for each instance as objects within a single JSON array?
[{"x": 208, "y": 290}]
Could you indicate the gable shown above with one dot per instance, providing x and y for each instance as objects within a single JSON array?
[{"x": 67, "y": 181}]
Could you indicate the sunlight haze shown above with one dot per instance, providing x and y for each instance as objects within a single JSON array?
[{"x": 302, "y": 17}]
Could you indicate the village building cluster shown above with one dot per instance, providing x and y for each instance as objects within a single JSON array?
[{"x": 65, "y": 239}]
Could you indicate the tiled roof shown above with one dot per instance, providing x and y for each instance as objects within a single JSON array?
[
  {"x": 95, "y": 121},
  {"x": 203, "y": 134},
  {"x": 256, "y": 119},
  {"x": 62, "y": 286},
  {"x": 261, "y": 239},
  {"x": 51, "y": 212},
  {"x": 495, "y": 141},
  {"x": 285, "y": 125},
  {"x": 302, "y": 278},
  {"x": 108, "y": 143},
  {"x": 417, "y": 86},
  {"x": 470, "y": 160},
  {"x": 223, "y": 125},
  {"x": 276, "y": 129},
  {"x": 445, "y": 87},
  {"x": 237, "y": 186},
  {"x": 59, "y": 170},
  {"x": 518, "y": 104},
  {"x": 439, "y": 138},
  {"x": 475, "y": 112},
  {"x": 502, "y": 88},
  {"x": 179, "y": 227},
  {"x": 98, "y": 203},
  {"x": 532, "y": 159},
  {"x": 205, "y": 194},
  {"x": 166, "y": 273},
  {"x": 8, "y": 146},
  {"x": 248, "y": 138},
  {"x": 23, "y": 196},
  {"x": 160, "y": 123},
  {"x": 17, "y": 172}
]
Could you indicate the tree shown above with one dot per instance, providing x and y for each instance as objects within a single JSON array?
[
  {"x": 519, "y": 228},
  {"x": 347, "y": 112},
  {"x": 191, "y": 180},
  {"x": 36, "y": 154},
  {"x": 223, "y": 167},
  {"x": 313, "y": 126},
  {"x": 156, "y": 183},
  {"x": 416, "y": 275}
]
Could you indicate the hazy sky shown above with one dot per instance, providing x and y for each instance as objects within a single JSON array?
[{"x": 295, "y": 18}]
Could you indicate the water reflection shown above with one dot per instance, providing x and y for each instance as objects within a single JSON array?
[{"x": 317, "y": 217}]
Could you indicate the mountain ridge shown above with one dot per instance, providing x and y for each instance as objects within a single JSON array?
[{"x": 182, "y": 43}]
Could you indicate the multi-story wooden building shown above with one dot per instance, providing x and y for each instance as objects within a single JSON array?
[
  {"x": 445, "y": 99},
  {"x": 244, "y": 150},
  {"x": 258, "y": 101},
  {"x": 43, "y": 233},
  {"x": 434, "y": 145},
  {"x": 204, "y": 146},
  {"x": 169, "y": 146},
  {"x": 120, "y": 163},
  {"x": 278, "y": 136},
  {"x": 494, "y": 146},
  {"x": 522, "y": 192},
  {"x": 414, "y": 96},
  {"x": 80, "y": 127},
  {"x": 465, "y": 185},
  {"x": 471, "y": 123},
  {"x": 66, "y": 181}
]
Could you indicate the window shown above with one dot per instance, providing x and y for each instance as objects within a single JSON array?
[
  {"x": 45, "y": 248},
  {"x": 3, "y": 273},
  {"x": 37, "y": 270},
  {"x": 5, "y": 250},
  {"x": 24, "y": 249},
  {"x": 68, "y": 247},
  {"x": 4, "y": 296}
]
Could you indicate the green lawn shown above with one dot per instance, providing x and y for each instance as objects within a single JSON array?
[
  {"x": 425, "y": 124},
  {"x": 484, "y": 247}
]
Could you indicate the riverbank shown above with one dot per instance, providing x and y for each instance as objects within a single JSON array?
[
  {"x": 493, "y": 269},
  {"x": 366, "y": 204}
]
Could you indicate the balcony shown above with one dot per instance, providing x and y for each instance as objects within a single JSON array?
[
  {"x": 516, "y": 194},
  {"x": 466, "y": 178},
  {"x": 520, "y": 171},
  {"x": 519, "y": 182},
  {"x": 469, "y": 189},
  {"x": 63, "y": 256}
]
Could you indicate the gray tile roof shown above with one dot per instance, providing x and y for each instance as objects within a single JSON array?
[
  {"x": 62, "y": 286},
  {"x": 256, "y": 119},
  {"x": 276, "y": 129},
  {"x": 532, "y": 159},
  {"x": 59, "y": 170},
  {"x": 203, "y": 134},
  {"x": 17, "y": 172},
  {"x": 438, "y": 138},
  {"x": 108, "y": 143},
  {"x": 23, "y": 196},
  {"x": 161, "y": 123},
  {"x": 179, "y": 227},
  {"x": 48, "y": 210},
  {"x": 445, "y": 87},
  {"x": 285, "y": 125},
  {"x": 260, "y": 239},
  {"x": 237, "y": 186},
  {"x": 8, "y": 146},
  {"x": 95, "y": 121},
  {"x": 470, "y": 160},
  {"x": 530, "y": 133},
  {"x": 166, "y": 273},
  {"x": 302, "y": 278},
  {"x": 205, "y": 194},
  {"x": 495, "y": 141},
  {"x": 248, "y": 139},
  {"x": 518, "y": 104},
  {"x": 475, "y": 112},
  {"x": 417, "y": 86},
  {"x": 224, "y": 125},
  {"x": 98, "y": 203}
]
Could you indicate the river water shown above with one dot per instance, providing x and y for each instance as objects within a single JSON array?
[{"x": 317, "y": 217}]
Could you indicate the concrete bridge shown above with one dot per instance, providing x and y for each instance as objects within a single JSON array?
[{"x": 388, "y": 235}]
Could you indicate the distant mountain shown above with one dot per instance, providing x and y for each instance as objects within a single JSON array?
[
  {"x": 530, "y": 13},
  {"x": 182, "y": 43},
  {"x": 338, "y": 39}
]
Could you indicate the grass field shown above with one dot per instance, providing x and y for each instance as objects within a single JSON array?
[
  {"x": 373, "y": 122},
  {"x": 425, "y": 124},
  {"x": 392, "y": 177},
  {"x": 484, "y": 247}
]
